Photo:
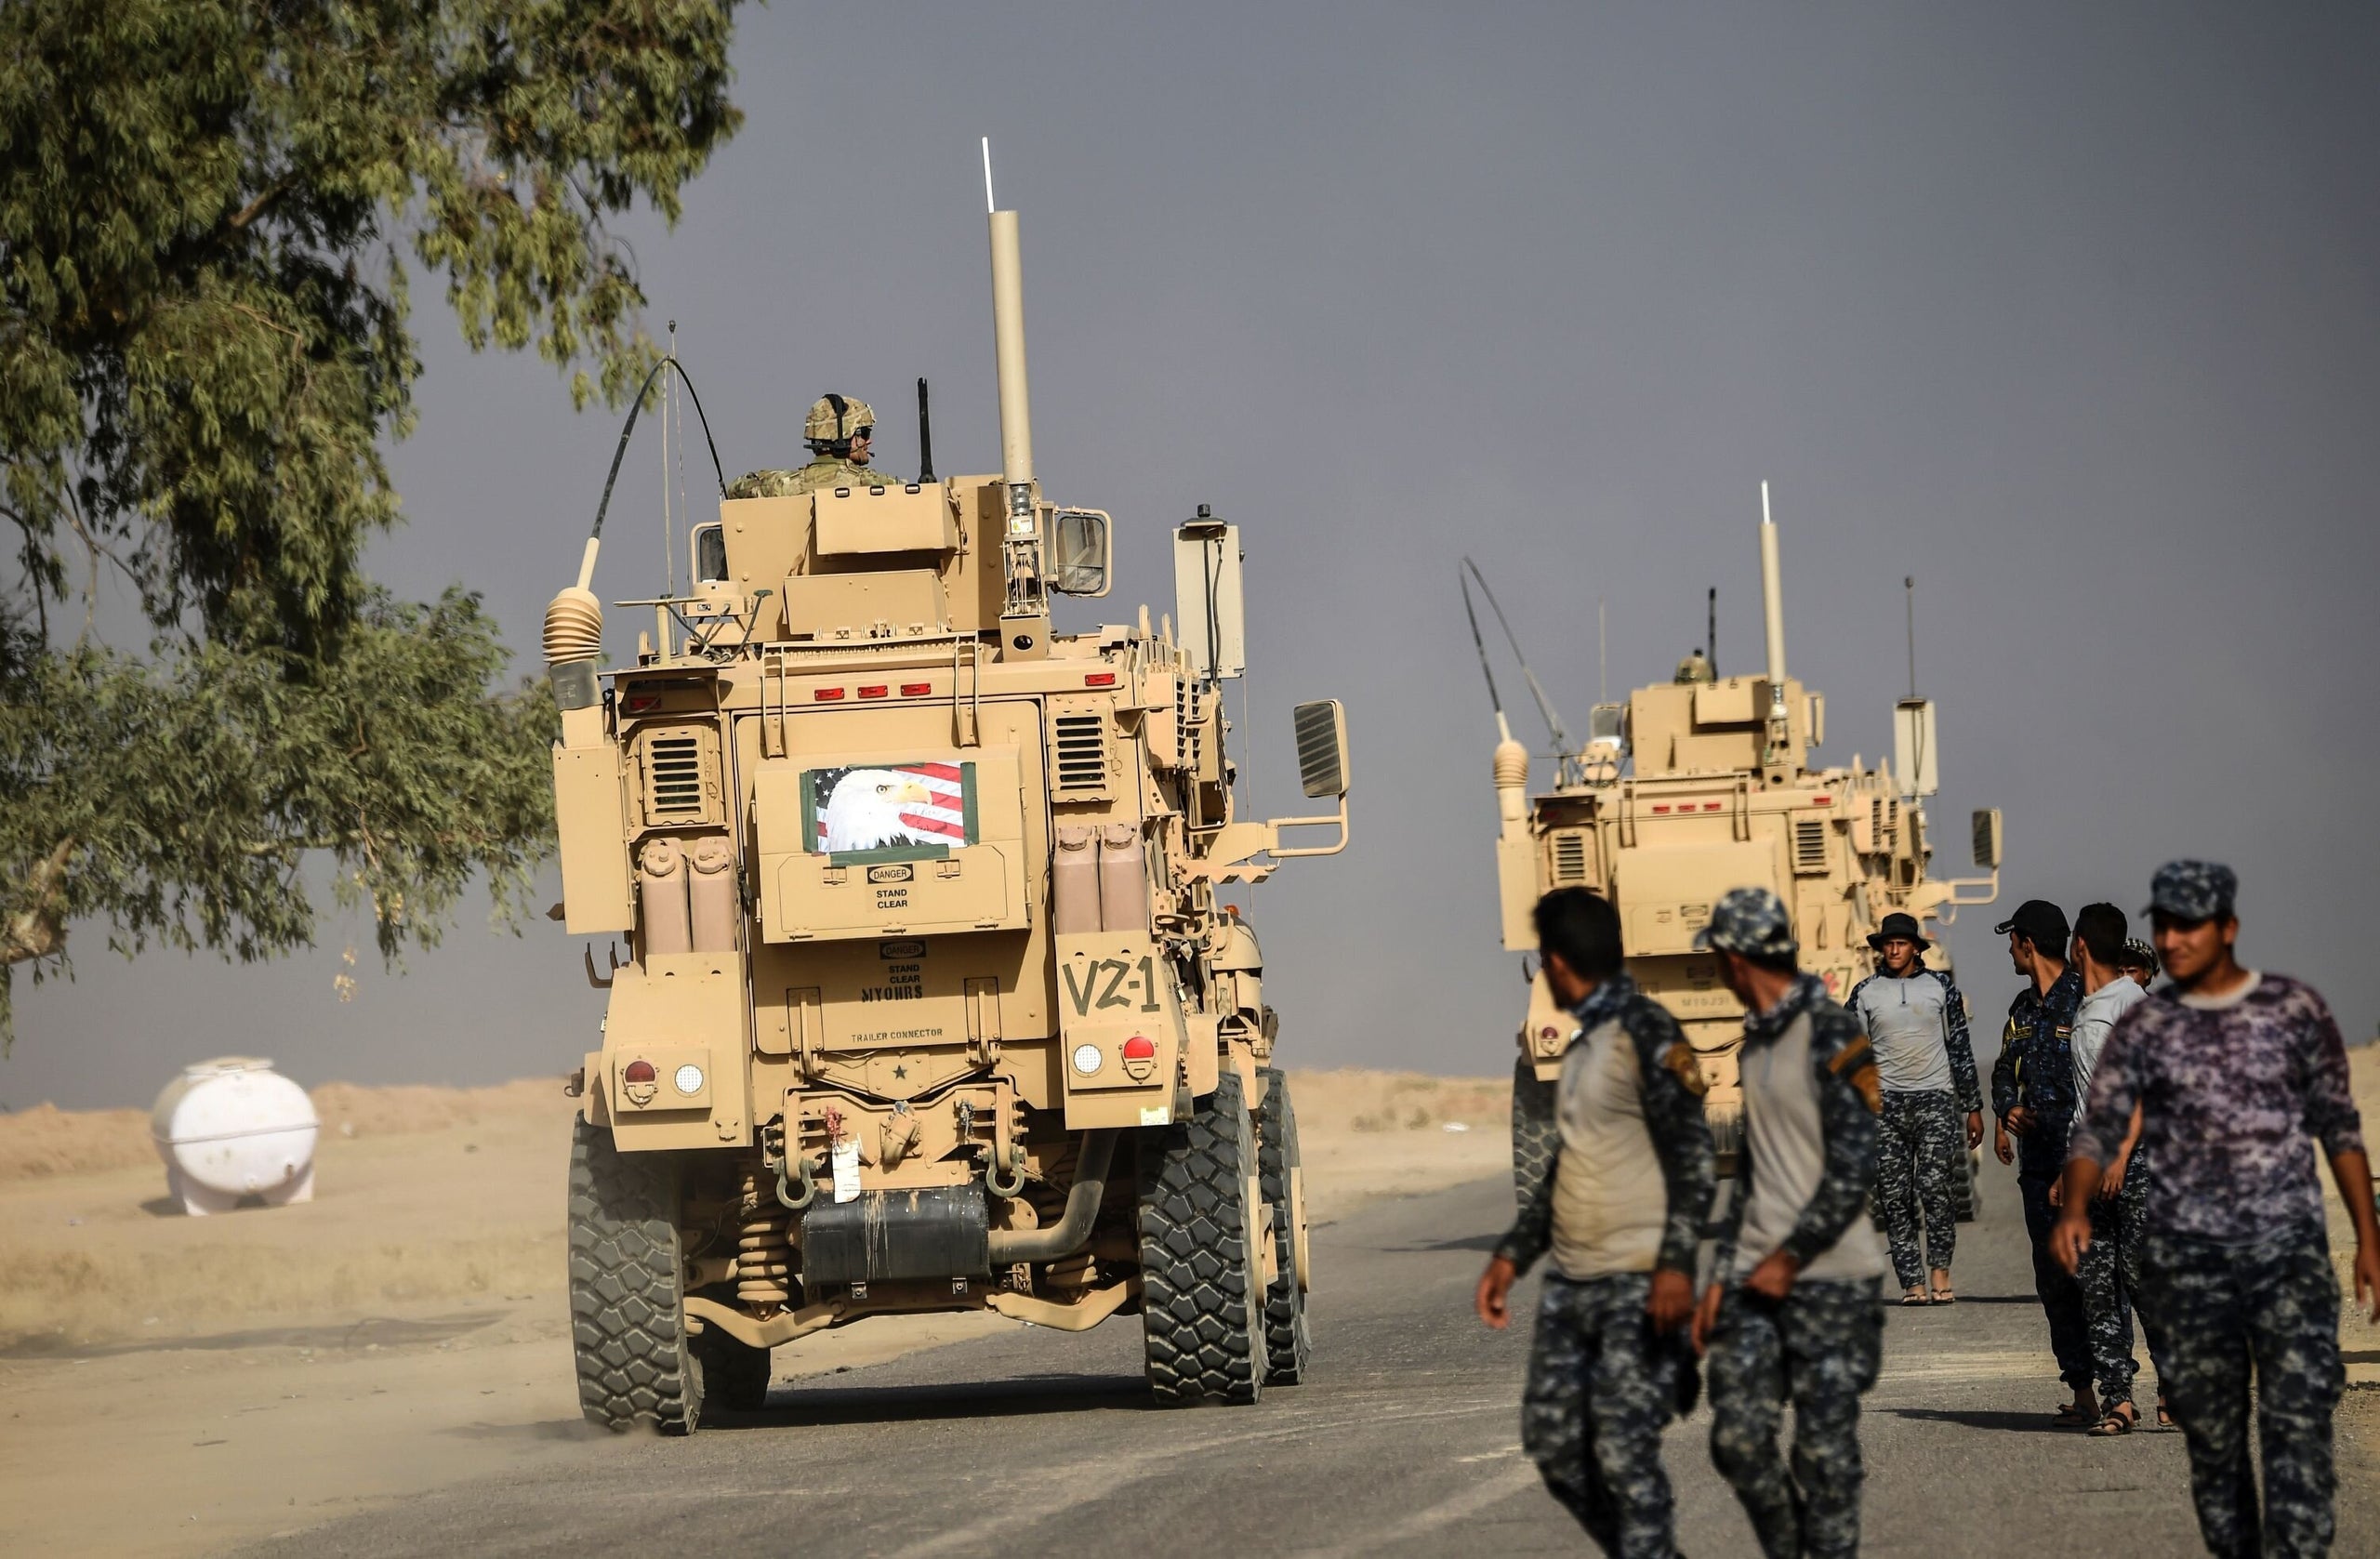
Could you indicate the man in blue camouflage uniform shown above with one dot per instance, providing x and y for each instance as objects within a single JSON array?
[
  {"x": 1917, "y": 1021},
  {"x": 2233, "y": 1071},
  {"x": 2032, "y": 1095},
  {"x": 1621, "y": 1205},
  {"x": 1793, "y": 1312}
]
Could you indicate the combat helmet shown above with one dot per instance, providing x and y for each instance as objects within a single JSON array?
[{"x": 834, "y": 421}]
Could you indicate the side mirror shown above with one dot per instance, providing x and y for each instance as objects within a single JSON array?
[
  {"x": 1322, "y": 746},
  {"x": 1078, "y": 553},
  {"x": 1986, "y": 840}
]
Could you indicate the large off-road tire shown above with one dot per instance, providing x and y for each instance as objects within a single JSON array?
[
  {"x": 735, "y": 1375},
  {"x": 1288, "y": 1345},
  {"x": 1536, "y": 1135},
  {"x": 1202, "y": 1316},
  {"x": 628, "y": 1315}
]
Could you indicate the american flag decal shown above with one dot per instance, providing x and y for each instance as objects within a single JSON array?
[{"x": 890, "y": 807}]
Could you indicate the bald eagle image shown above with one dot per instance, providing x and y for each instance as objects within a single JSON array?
[{"x": 863, "y": 810}]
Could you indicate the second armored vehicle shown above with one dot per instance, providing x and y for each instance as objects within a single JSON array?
[{"x": 1703, "y": 784}]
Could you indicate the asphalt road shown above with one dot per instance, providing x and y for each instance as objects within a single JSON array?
[{"x": 1407, "y": 1443}]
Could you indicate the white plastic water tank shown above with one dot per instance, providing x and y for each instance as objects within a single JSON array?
[{"x": 232, "y": 1127}]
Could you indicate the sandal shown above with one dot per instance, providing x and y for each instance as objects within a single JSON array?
[
  {"x": 2165, "y": 1416},
  {"x": 2119, "y": 1419},
  {"x": 1914, "y": 1295},
  {"x": 1943, "y": 1296},
  {"x": 2070, "y": 1415}
]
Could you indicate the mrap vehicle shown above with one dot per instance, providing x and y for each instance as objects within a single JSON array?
[
  {"x": 1695, "y": 785},
  {"x": 930, "y": 1002}
]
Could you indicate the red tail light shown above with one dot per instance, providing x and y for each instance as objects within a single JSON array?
[
  {"x": 637, "y": 1072},
  {"x": 874, "y": 689},
  {"x": 827, "y": 695},
  {"x": 1139, "y": 1046},
  {"x": 1100, "y": 679},
  {"x": 916, "y": 689}
]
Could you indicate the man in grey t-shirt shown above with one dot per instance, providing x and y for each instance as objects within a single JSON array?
[{"x": 1917, "y": 1021}]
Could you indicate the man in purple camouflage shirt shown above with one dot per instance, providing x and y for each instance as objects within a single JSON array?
[{"x": 2233, "y": 1070}]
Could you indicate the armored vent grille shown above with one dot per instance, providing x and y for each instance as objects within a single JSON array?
[
  {"x": 1569, "y": 858},
  {"x": 1809, "y": 845},
  {"x": 673, "y": 776},
  {"x": 1082, "y": 752},
  {"x": 1884, "y": 821},
  {"x": 1188, "y": 704}
]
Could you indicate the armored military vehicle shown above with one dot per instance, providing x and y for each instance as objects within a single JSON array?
[
  {"x": 1702, "y": 784},
  {"x": 930, "y": 1002}
]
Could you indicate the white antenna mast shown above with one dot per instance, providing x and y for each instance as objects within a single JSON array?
[
  {"x": 1602, "y": 687},
  {"x": 989, "y": 205}
]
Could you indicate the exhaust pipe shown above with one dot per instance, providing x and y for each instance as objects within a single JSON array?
[{"x": 1072, "y": 1231}]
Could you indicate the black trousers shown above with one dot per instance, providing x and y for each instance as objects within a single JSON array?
[{"x": 2061, "y": 1295}]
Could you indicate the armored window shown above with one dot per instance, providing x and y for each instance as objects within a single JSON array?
[{"x": 1809, "y": 846}]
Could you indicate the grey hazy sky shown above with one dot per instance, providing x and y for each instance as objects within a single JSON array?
[{"x": 2071, "y": 312}]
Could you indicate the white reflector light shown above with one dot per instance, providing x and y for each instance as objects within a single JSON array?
[
  {"x": 689, "y": 1078},
  {"x": 1087, "y": 1059}
]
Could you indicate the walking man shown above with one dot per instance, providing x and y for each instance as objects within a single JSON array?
[
  {"x": 2232, "y": 1070},
  {"x": 2110, "y": 1271},
  {"x": 1917, "y": 1021},
  {"x": 2032, "y": 1095},
  {"x": 1621, "y": 1206},
  {"x": 1791, "y": 1311}
]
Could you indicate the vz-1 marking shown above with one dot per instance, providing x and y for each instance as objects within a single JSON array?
[{"x": 1104, "y": 984}]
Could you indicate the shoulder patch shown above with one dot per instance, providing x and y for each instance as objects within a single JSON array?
[
  {"x": 1856, "y": 1063},
  {"x": 1679, "y": 1060}
]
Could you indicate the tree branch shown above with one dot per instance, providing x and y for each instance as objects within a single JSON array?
[{"x": 38, "y": 930}]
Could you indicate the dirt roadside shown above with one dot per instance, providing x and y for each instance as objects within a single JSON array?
[{"x": 174, "y": 1385}]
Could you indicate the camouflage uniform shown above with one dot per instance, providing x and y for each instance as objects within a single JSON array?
[
  {"x": 1602, "y": 1384},
  {"x": 1820, "y": 1346},
  {"x": 2235, "y": 1270},
  {"x": 828, "y": 470},
  {"x": 2108, "y": 1276},
  {"x": 2109, "y": 1272},
  {"x": 2036, "y": 1070},
  {"x": 1921, "y": 1142}
]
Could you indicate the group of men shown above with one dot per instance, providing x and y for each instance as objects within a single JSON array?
[
  {"x": 2079, "y": 982},
  {"x": 2218, "y": 1078}
]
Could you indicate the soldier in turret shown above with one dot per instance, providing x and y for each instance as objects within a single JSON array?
[
  {"x": 1621, "y": 1206},
  {"x": 840, "y": 432},
  {"x": 1791, "y": 1311}
]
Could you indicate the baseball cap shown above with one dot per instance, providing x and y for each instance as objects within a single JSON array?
[
  {"x": 1751, "y": 921},
  {"x": 2193, "y": 890},
  {"x": 2039, "y": 922}
]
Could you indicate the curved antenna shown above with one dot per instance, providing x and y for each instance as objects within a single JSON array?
[
  {"x": 1563, "y": 747},
  {"x": 1494, "y": 700},
  {"x": 629, "y": 427}
]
